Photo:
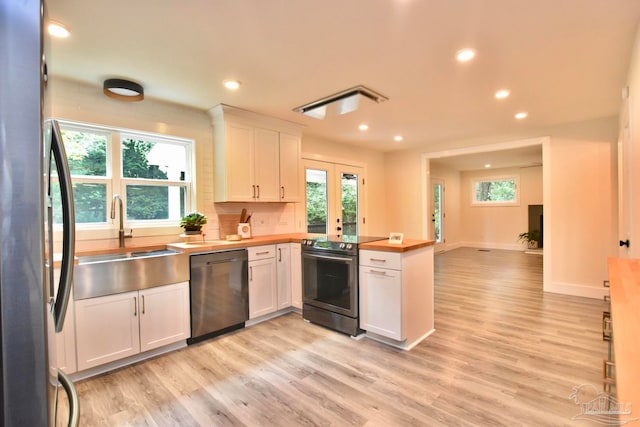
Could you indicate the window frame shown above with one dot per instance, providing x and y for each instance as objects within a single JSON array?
[
  {"x": 493, "y": 178},
  {"x": 116, "y": 183}
]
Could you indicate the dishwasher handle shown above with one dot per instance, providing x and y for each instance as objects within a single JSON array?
[{"x": 223, "y": 261}]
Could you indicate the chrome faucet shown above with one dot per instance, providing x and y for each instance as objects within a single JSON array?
[{"x": 121, "y": 234}]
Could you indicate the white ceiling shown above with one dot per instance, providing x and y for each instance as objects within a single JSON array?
[
  {"x": 563, "y": 60},
  {"x": 523, "y": 157}
]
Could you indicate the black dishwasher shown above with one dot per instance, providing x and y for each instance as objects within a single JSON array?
[{"x": 219, "y": 292}]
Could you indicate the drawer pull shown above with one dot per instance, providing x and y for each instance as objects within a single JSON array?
[
  {"x": 607, "y": 298},
  {"x": 377, "y": 260},
  {"x": 606, "y": 284},
  {"x": 608, "y": 380},
  {"x": 262, "y": 253},
  {"x": 378, "y": 272},
  {"x": 606, "y": 326}
]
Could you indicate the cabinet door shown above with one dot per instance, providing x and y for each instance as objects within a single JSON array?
[
  {"x": 267, "y": 165},
  {"x": 381, "y": 302},
  {"x": 296, "y": 275},
  {"x": 262, "y": 287},
  {"x": 106, "y": 329},
  {"x": 289, "y": 168},
  {"x": 164, "y": 315},
  {"x": 283, "y": 262},
  {"x": 239, "y": 168}
]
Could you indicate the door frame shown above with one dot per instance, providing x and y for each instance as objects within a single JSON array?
[{"x": 438, "y": 246}]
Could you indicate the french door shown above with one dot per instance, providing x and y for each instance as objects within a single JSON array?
[
  {"x": 334, "y": 198},
  {"x": 437, "y": 212}
]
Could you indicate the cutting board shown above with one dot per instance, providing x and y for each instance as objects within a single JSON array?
[{"x": 228, "y": 225}]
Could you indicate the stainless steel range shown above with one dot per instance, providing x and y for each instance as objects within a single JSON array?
[{"x": 330, "y": 281}]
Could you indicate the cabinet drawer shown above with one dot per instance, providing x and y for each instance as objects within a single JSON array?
[
  {"x": 261, "y": 252},
  {"x": 379, "y": 259}
]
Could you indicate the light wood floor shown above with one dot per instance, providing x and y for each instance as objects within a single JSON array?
[{"x": 503, "y": 353}]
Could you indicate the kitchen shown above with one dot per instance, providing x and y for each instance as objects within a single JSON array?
[{"x": 384, "y": 170}]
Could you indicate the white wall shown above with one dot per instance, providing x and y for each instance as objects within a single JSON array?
[{"x": 498, "y": 226}]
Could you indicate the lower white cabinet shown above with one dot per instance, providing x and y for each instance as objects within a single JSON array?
[
  {"x": 263, "y": 289},
  {"x": 381, "y": 302},
  {"x": 283, "y": 273},
  {"x": 116, "y": 326},
  {"x": 296, "y": 275},
  {"x": 396, "y": 295}
]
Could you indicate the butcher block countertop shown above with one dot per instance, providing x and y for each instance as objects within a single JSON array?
[
  {"x": 624, "y": 278},
  {"x": 405, "y": 246},
  {"x": 217, "y": 245}
]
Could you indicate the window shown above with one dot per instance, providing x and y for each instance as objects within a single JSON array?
[
  {"x": 151, "y": 173},
  {"x": 497, "y": 191}
]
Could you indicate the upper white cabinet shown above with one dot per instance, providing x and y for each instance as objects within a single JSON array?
[{"x": 257, "y": 158}]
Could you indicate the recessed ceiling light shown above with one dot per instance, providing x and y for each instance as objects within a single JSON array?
[
  {"x": 488, "y": 165},
  {"x": 464, "y": 55},
  {"x": 398, "y": 138},
  {"x": 56, "y": 29},
  {"x": 231, "y": 84},
  {"x": 521, "y": 115},
  {"x": 363, "y": 127},
  {"x": 502, "y": 94}
]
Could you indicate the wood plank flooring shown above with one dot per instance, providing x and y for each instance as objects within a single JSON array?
[{"x": 503, "y": 353}]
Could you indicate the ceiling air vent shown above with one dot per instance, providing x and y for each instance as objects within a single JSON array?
[{"x": 344, "y": 102}]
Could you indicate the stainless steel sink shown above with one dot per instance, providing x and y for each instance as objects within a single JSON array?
[{"x": 107, "y": 274}]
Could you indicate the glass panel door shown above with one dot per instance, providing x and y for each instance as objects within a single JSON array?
[
  {"x": 437, "y": 211},
  {"x": 317, "y": 200},
  {"x": 334, "y": 196}
]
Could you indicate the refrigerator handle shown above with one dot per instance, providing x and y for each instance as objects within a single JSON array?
[
  {"x": 68, "y": 227},
  {"x": 72, "y": 395}
]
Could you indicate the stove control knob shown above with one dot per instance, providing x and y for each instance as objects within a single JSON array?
[
  {"x": 349, "y": 246},
  {"x": 342, "y": 245}
]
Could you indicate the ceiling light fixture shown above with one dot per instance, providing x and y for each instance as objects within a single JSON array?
[
  {"x": 488, "y": 165},
  {"x": 123, "y": 90},
  {"x": 58, "y": 30},
  {"x": 344, "y": 102},
  {"x": 465, "y": 55},
  {"x": 231, "y": 84},
  {"x": 398, "y": 138},
  {"x": 502, "y": 94},
  {"x": 363, "y": 127},
  {"x": 521, "y": 115}
]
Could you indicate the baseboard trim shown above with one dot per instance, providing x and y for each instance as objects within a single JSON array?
[{"x": 574, "y": 289}]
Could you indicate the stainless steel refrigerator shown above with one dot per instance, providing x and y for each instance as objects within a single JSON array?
[{"x": 32, "y": 306}]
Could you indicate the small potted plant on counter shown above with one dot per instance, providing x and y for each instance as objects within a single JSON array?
[
  {"x": 193, "y": 223},
  {"x": 531, "y": 238}
]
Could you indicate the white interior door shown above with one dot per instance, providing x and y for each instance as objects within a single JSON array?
[{"x": 334, "y": 198}]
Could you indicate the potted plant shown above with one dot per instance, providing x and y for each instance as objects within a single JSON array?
[
  {"x": 193, "y": 223},
  {"x": 531, "y": 238}
]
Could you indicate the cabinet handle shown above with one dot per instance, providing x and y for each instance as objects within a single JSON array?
[
  {"x": 607, "y": 298},
  {"x": 606, "y": 326},
  {"x": 608, "y": 380},
  {"x": 251, "y": 274},
  {"x": 142, "y": 304},
  {"x": 279, "y": 254},
  {"x": 258, "y": 187},
  {"x": 282, "y": 192},
  {"x": 135, "y": 306},
  {"x": 377, "y": 260},
  {"x": 378, "y": 272},
  {"x": 606, "y": 284},
  {"x": 254, "y": 191}
]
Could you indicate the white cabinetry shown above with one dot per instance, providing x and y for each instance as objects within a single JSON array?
[
  {"x": 257, "y": 158},
  {"x": 296, "y": 275},
  {"x": 283, "y": 270},
  {"x": 65, "y": 340},
  {"x": 263, "y": 290},
  {"x": 396, "y": 295},
  {"x": 117, "y": 326}
]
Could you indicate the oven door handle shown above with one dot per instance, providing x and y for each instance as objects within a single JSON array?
[{"x": 333, "y": 258}]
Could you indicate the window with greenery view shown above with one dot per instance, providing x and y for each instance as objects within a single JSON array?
[
  {"x": 495, "y": 191},
  {"x": 152, "y": 175}
]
